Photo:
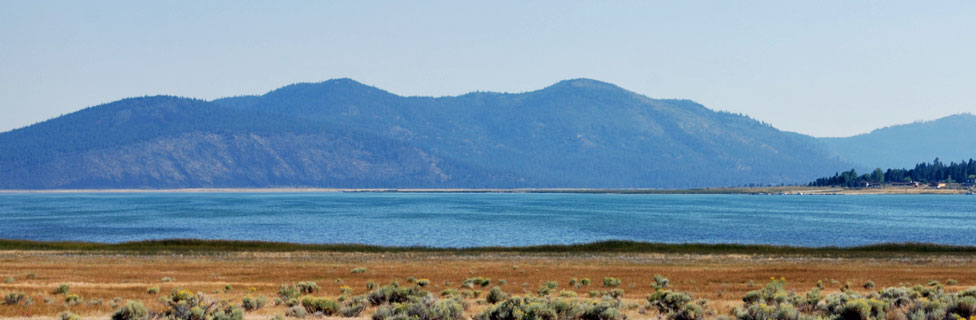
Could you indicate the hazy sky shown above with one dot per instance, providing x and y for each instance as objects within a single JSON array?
[{"x": 825, "y": 68}]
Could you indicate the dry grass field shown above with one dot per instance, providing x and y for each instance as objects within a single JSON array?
[{"x": 721, "y": 278}]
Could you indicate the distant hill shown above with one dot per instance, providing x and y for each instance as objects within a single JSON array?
[
  {"x": 341, "y": 133},
  {"x": 952, "y": 138}
]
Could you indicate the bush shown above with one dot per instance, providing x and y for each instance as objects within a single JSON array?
[
  {"x": 62, "y": 289},
  {"x": 964, "y": 308},
  {"x": 353, "y": 308},
  {"x": 358, "y": 270},
  {"x": 67, "y": 315},
  {"x": 543, "y": 290},
  {"x": 13, "y": 298},
  {"x": 166, "y": 279},
  {"x": 230, "y": 312},
  {"x": 132, "y": 310},
  {"x": 308, "y": 287},
  {"x": 423, "y": 282},
  {"x": 585, "y": 281},
  {"x": 9, "y": 280},
  {"x": 370, "y": 285},
  {"x": 567, "y": 294},
  {"x": 496, "y": 295},
  {"x": 427, "y": 308},
  {"x": 668, "y": 302},
  {"x": 152, "y": 290},
  {"x": 471, "y": 282},
  {"x": 535, "y": 308},
  {"x": 250, "y": 304},
  {"x": 869, "y": 285},
  {"x": 614, "y": 293},
  {"x": 296, "y": 312},
  {"x": 315, "y": 305},
  {"x": 72, "y": 299},
  {"x": 660, "y": 282},
  {"x": 552, "y": 284},
  {"x": 288, "y": 292},
  {"x": 393, "y": 293},
  {"x": 611, "y": 282}
]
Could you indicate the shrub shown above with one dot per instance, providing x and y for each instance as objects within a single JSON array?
[
  {"x": 314, "y": 305},
  {"x": 67, "y": 315},
  {"x": 450, "y": 293},
  {"x": 358, "y": 270},
  {"x": 393, "y": 293},
  {"x": 228, "y": 288},
  {"x": 166, "y": 279},
  {"x": 668, "y": 302},
  {"x": 543, "y": 290},
  {"x": 308, "y": 287},
  {"x": 660, "y": 282},
  {"x": 72, "y": 299},
  {"x": 614, "y": 293},
  {"x": 296, "y": 312},
  {"x": 353, "y": 308},
  {"x": 552, "y": 284},
  {"x": 611, "y": 282},
  {"x": 534, "y": 308},
  {"x": 869, "y": 285},
  {"x": 152, "y": 290},
  {"x": 62, "y": 289},
  {"x": 585, "y": 281},
  {"x": 230, "y": 312},
  {"x": 288, "y": 292},
  {"x": 502, "y": 282},
  {"x": 132, "y": 310},
  {"x": 567, "y": 294},
  {"x": 496, "y": 295},
  {"x": 964, "y": 308},
  {"x": 13, "y": 298},
  {"x": 423, "y": 282},
  {"x": 427, "y": 308},
  {"x": 9, "y": 280},
  {"x": 471, "y": 282},
  {"x": 185, "y": 305},
  {"x": 250, "y": 304},
  {"x": 370, "y": 285},
  {"x": 952, "y": 282},
  {"x": 594, "y": 293}
]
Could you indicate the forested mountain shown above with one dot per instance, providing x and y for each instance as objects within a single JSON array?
[
  {"x": 341, "y": 133},
  {"x": 952, "y": 138}
]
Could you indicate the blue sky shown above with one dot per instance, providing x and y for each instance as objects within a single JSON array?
[{"x": 825, "y": 68}]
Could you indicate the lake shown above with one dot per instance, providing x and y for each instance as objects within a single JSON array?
[{"x": 490, "y": 219}]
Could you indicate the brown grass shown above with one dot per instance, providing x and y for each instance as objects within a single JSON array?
[{"x": 722, "y": 279}]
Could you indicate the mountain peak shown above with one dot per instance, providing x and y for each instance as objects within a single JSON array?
[{"x": 585, "y": 83}]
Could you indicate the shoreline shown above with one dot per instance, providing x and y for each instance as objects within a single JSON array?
[
  {"x": 788, "y": 190},
  {"x": 601, "y": 247}
]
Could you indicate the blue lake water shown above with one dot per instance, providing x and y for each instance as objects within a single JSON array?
[{"x": 464, "y": 220}]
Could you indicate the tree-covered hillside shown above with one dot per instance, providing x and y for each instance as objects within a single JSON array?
[
  {"x": 952, "y": 137},
  {"x": 341, "y": 133}
]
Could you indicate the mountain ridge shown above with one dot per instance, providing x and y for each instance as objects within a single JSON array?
[
  {"x": 902, "y": 146},
  {"x": 574, "y": 133}
]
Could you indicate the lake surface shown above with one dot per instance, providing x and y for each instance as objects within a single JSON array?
[{"x": 464, "y": 220}]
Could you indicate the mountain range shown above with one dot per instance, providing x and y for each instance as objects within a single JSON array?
[{"x": 578, "y": 133}]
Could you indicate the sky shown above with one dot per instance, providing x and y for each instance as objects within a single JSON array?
[{"x": 823, "y": 68}]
